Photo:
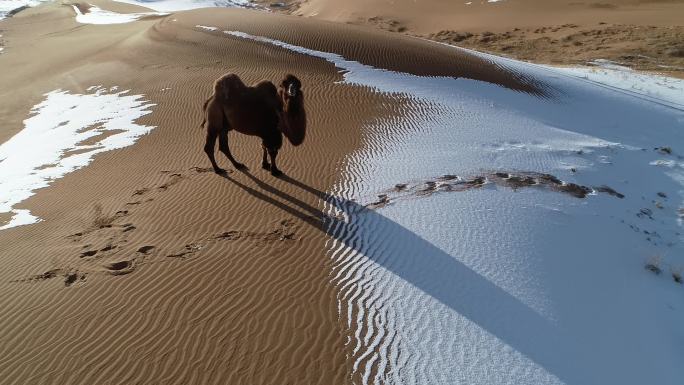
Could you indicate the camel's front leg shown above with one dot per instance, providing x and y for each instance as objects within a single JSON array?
[
  {"x": 264, "y": 161},
  {"x": 223, "y": 146},
  {"x": 274, "y": 169}
]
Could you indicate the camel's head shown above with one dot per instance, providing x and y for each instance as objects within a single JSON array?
[
  {"x": 294, "y": 122},
  {"x": 291, "y": 86}
]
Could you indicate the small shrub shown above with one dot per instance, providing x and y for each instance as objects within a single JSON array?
[{"x": 677, "y": 275}]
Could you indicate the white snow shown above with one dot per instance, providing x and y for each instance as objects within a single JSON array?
[
  {"x": 654, "y": 87},
  {"x": 8, "y": 5},
  {"x": 180, "y": 5},
  {"x": 55, "y": 141},
  {"x": 157, "y": 5},
  {"x": 204, "y": 27},
  {"x": 96, "y": 15},
  {"x": 495, "y": 286}
]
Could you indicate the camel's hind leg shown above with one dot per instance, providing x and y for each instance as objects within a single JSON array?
[
  {"x": 209, "y": 146},
  {"x": 223, "y": 147}
]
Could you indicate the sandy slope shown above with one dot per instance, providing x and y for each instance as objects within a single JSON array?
[
  {"x": 147, "y": 268},
  {"x": 568, "y": 32},
  {"x": 429, "y": 15}
]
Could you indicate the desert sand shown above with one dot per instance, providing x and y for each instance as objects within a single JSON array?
[
  {"x": 147, "y": 268},
  {"x": 642, "y": 34},
  {"x": 435, "y": 226}
]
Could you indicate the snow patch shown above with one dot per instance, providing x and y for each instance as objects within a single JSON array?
[
  {"x": 98, "y": 15},
  {"x": 204, "y": 27},
  {"x": 63, "y": 134},
  {"x": 6, "y": 6},
  {"x": 181, "y": 5},
  {"x": 664, "y": 89}
]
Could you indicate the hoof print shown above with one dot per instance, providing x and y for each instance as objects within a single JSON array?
[
  {"x": 88, "y": 253},
  {"x": 120, "y": 267},
  {"x": 145, "y": 249},
  {"x": 72, "y": 278}
]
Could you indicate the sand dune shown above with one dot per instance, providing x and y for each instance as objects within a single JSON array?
[
  {"x": 428, "y": 16},
  {"x": 642, "y": 34},
  {"x": 146, "y": 267}
]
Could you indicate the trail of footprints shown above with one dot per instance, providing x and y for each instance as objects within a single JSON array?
[
  {"x": 283, "y": 232},
  {"x": 111, "y": 234},
  {"x": 512, "y": 180},
  {"x": 116, "y": 231}
]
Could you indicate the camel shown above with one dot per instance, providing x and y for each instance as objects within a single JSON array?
[{"x": 260, "y": 110}]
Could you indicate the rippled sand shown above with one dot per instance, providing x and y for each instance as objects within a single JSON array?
[{"x": 449, "y": 219}]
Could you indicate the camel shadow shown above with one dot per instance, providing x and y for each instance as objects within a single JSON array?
[{"x": 439, "y": 275}]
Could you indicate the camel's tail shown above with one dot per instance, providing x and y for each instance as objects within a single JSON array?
[{"x": 204, "y": 112}]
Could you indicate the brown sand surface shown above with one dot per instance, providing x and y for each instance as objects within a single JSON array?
[
  {"x": 147, "y": 268},
  {"x": 643, "y": 34}
]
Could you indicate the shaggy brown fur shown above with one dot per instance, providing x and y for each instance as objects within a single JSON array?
[
  {"x": 260, "y": 110},
  {"x": 293, "y": 124}
]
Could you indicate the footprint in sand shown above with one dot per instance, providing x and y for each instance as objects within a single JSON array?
[
  {"x": 383, "y": 200},
  {"x": 145, "y": 249},
  {"x": 229, "y": 235},
  {"x": 70, "y": 277},
  {"x": 447, "y": 177},
  {"x": 120, "y": 267},
  {"x": 141, "y": 191},
  {"x": 175, "y": 178},
  {"x": 201, "y": 170},
  {"x": 108, "y": 248},
  {"x": 190, "y": 248},
  {"x": 88, "y": 253}
]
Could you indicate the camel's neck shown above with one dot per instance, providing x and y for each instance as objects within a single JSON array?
[
  {"x": 293, "y": 107},
  {"x": 294, "y": 126}
]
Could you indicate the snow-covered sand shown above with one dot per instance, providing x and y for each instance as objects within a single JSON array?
[
  {"x": 443, "y": 283},
  {"x": 97, "y": 15},
  {"x": 657, "y": 88},
  {"x": 204, "y": 27},
  {"x": 63, "y": 134},
  {"x": 8, "y": 5},
  {"x": 180, "y": 5},
  {"x": 102, "y": 15}
]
